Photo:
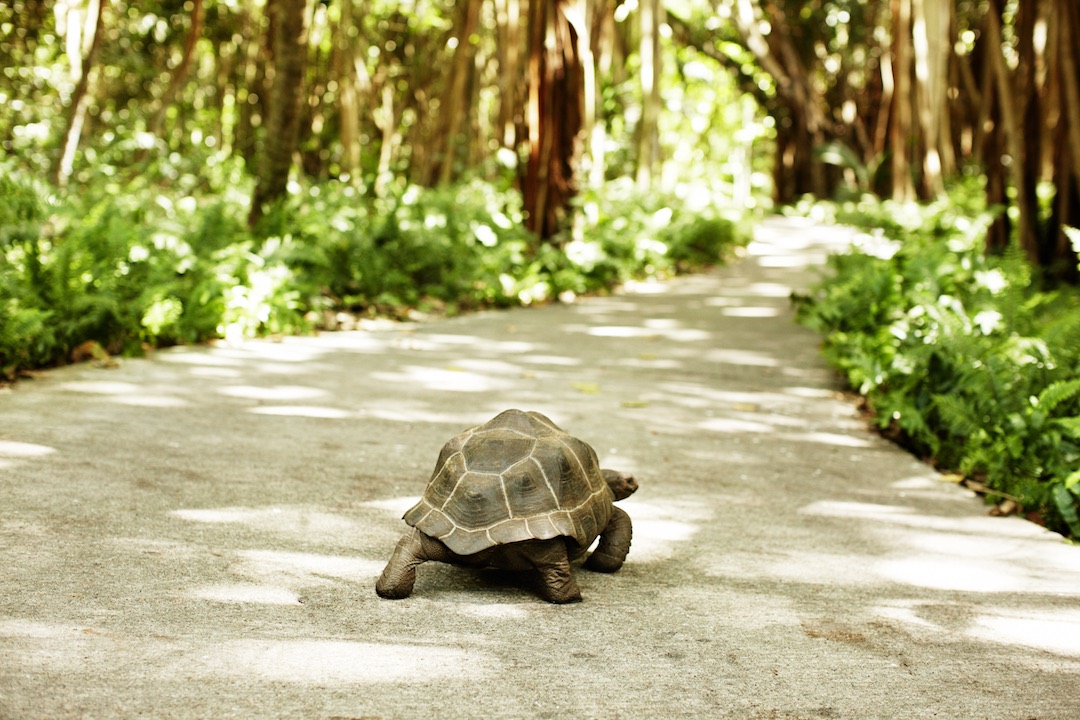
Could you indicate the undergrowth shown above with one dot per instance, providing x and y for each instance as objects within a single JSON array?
[
  {"x": 960, "y": 355},
  {"x": 126, "y": 265}
]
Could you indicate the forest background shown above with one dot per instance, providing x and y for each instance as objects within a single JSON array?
[{"x": 181, "y": 170}]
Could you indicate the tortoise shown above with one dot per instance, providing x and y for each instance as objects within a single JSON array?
[{"x": 516, "y": 493}]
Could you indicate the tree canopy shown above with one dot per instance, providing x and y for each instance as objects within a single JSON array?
[{"x": 899, "y": 97}]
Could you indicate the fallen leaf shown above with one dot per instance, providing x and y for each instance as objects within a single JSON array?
[
  {"x": 635, "y": 403},
  {"x": 586, "y": 388},
  {"x": 1007, "y": 507},
  {"x": 93, "y": 351}
]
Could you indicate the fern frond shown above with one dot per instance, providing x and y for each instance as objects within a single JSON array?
[
  {"x": 961, "y": 418},
  {"x": 1066, "y": 502},
  {"x": 1063, "y": 327},
  {"x": 1070, "y": 427},
  {"x": 1057, "y": 393}
]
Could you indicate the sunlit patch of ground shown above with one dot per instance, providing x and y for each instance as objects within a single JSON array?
[
  {"x": 1055, "y": 631},
  {"x": 661, "y": 526},
  {"x": 247, "y": 593},
  {"x": 73, "y": 650},
  {"x": 333, "y": 661},
  {"x": 495, "y": 611},
  {"x": 12, "y": 452}
]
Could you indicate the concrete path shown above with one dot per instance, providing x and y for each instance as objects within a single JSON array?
[{"x": 197, "y": 534}]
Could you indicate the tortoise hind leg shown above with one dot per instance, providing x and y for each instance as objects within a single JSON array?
[
  {"x": 399, "y": 576},
  {"x": 550, "y": 559},
  {"x": 614, "y": 544}
]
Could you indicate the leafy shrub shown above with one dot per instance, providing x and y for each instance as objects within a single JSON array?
[
  {"x": 960, "y": 356},
  {"x": 630, "y": 234},
  {"x": 118, "y": 268},
  {"x": 464, "y": 246},
  {"x": 446, "y": 246},
  {"x": 26, "y": 337},
  {"x": 127, "y": 265}
]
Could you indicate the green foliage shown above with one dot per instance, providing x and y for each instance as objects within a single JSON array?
[
  {"x": 26, "y": 337},
  {"x": 124, "y": 268},
  {"x": 629, "y": 234},
  {"x": 1067, "y": 499},
  {"x": 127, "y": 265},
  {"x": 959, "y": 354},
  {"x": 463, "y": 246},
  {"x": 447, "y": 247}
]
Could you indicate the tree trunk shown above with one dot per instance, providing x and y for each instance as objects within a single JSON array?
[
  {"x": 797, "y": 170},
  {"x": 581, "y": 17},
  {"x": 80, "y": 97},
  {"x": 1068, "y": 13},
  {"x": 355, "y": 84},
  {"x": 290, "y": 26},
  {"x": 1002, "y": 158},
  {"x": 508, "y": 22},
  {"x": 600, "y": 22},
  {"x": 900, "y": 126},
  {"x": 1059, "y": 257},
  {"x": 258, "y": 54},
  {"x": 156, "y": 123},
  {"x": 456, "y": 105},
  {"x": 388, "y": 121},
  {"x": 888, "y": 97},
  {"x": 553, "y": 118},
  {"x": 992, "y": 149},
  {"x": 1028, "y": 115},
  {"x": 931, "y": 22},
  {"x": 648, "y": 150}
]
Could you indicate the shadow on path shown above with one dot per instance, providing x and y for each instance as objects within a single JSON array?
[{"x": 197, "y": 534}]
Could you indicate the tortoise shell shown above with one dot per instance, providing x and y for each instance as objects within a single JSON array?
[{"x": 516, "y": 477}]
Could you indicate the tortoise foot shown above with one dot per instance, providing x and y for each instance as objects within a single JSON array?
[
  {"x": 399, "y": 575},
  {"x": 559, "y": 588},
  {"x": 557, "y": 584},
  {"x": 388, "y": 591},
  {"x": 563, "y": 600},
  {"x": 602, "y": 562},
  {"x": 395, "y": 585}
]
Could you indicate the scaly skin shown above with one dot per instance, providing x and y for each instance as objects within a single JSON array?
[
  {"x": 549, "y": 558},
  {"x": 610, "y": 554}
]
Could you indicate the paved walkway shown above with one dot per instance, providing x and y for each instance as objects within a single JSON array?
[{"x": 197, "y": 534}]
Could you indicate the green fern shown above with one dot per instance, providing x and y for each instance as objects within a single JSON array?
[
  {"x": 961, "y": 351},
  {"x": 960, "y": 417},
  {"x": 1061, "y": 328},
  {"x": 1069, "y": 427},
  {"x": 1067, "y": 499},
  {"x": 1057, "y": 393}
]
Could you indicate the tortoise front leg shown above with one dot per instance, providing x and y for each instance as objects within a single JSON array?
[
  {"x": 614, "y": 544},
  {"x": 399, "y": 576},
  {"x": 550, "y": 559}
]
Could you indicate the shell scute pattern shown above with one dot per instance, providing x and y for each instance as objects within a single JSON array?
[
  {"x": 517, "y": 477},
  {"x": 442, "y": 486}
]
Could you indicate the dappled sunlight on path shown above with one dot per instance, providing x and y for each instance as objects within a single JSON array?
[
  {"x": 201, "y": 529},
  {"x": 321, "y": 662}
]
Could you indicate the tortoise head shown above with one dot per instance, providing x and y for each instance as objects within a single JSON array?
[{"x": 622, "y": 484}]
